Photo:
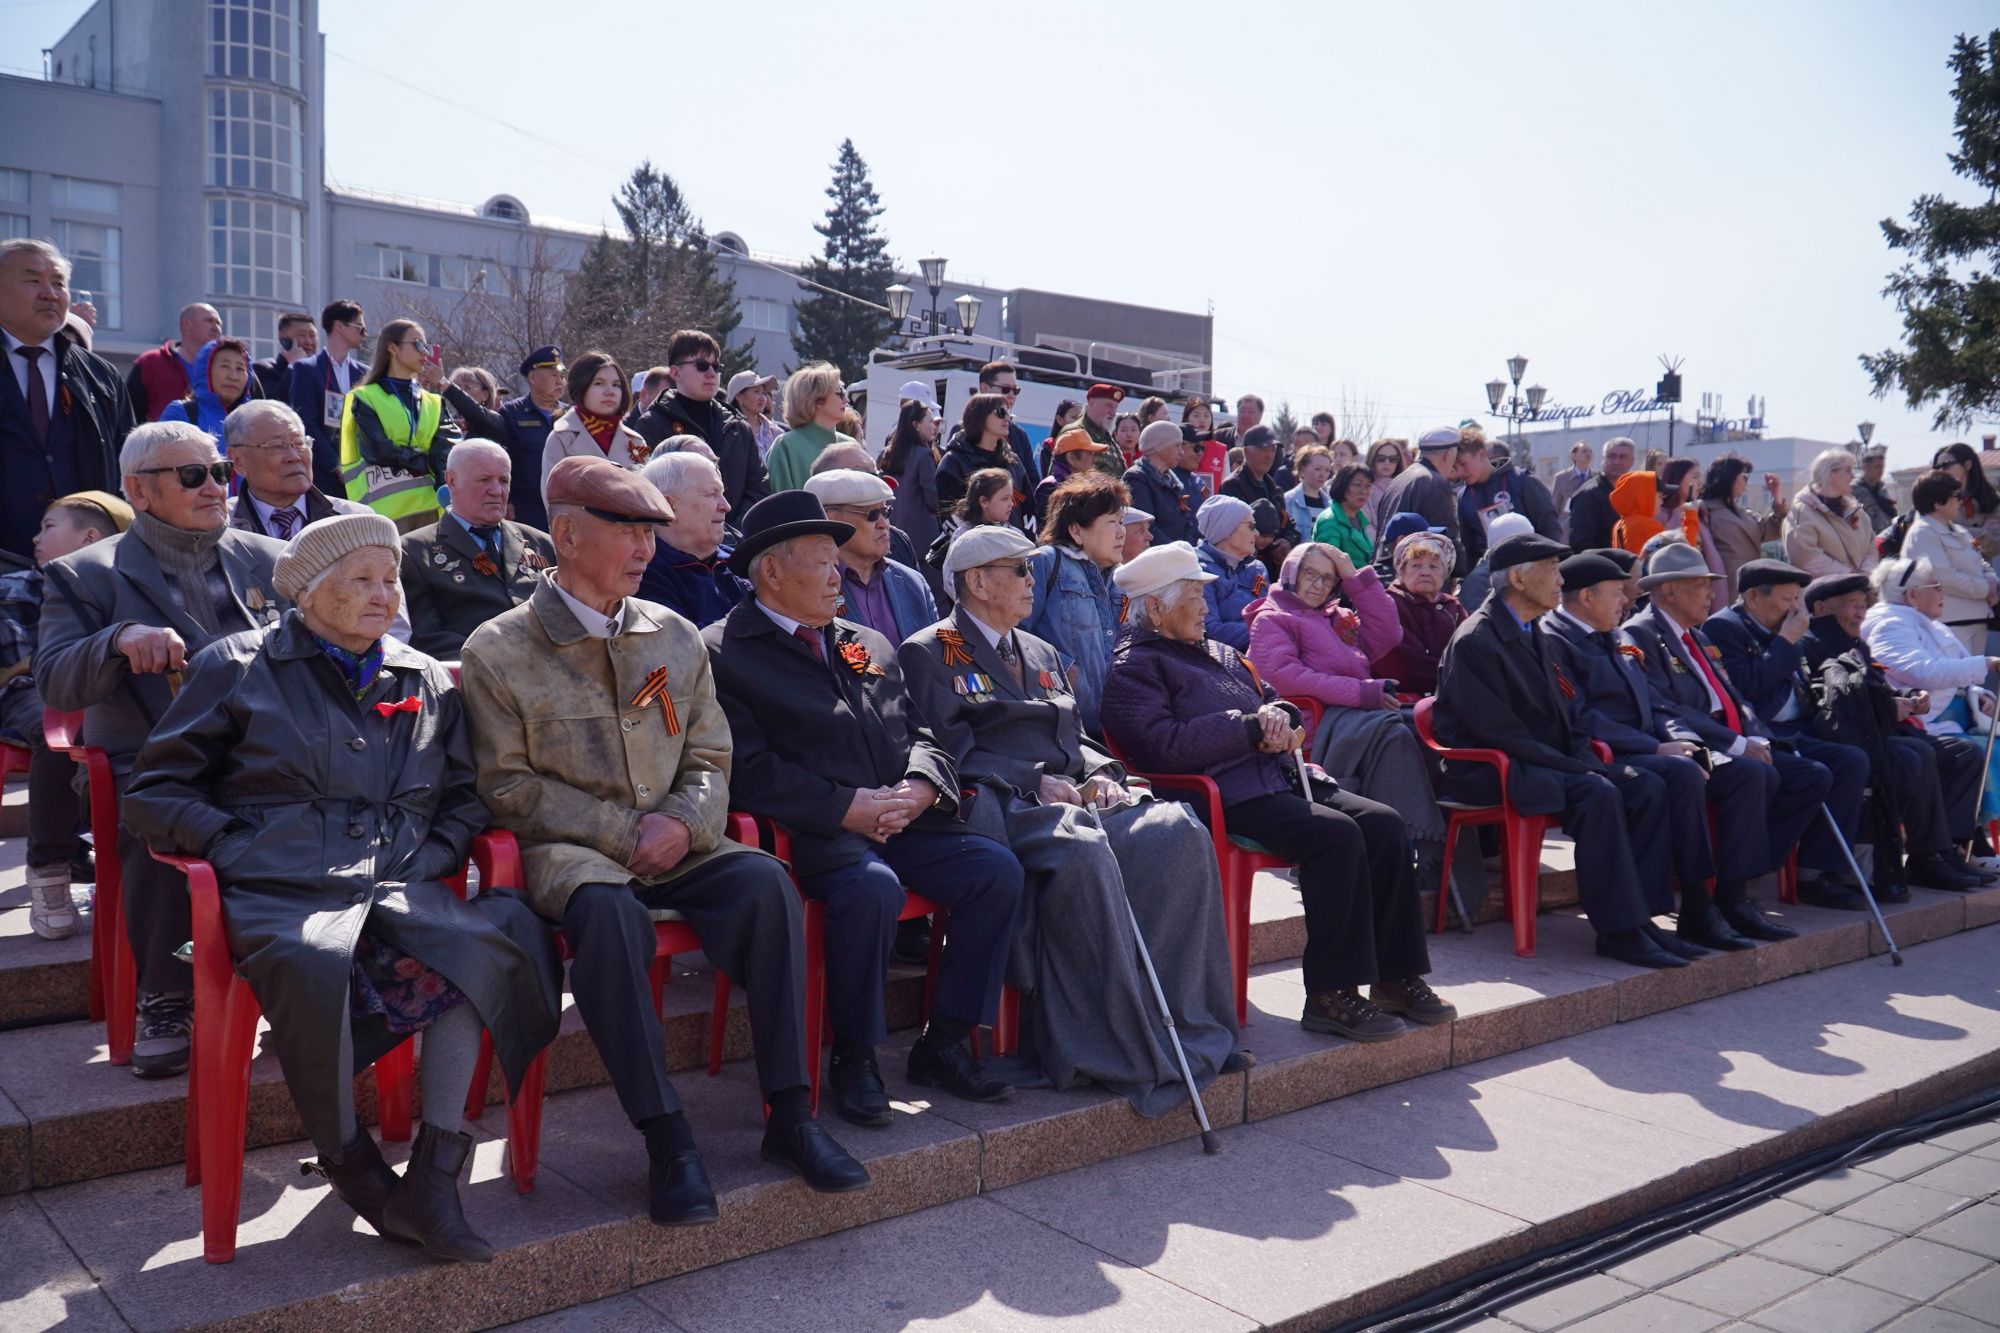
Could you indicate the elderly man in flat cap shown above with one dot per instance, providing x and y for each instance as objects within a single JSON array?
[
  {"x": 1685, "y": 670},
  {"x": 1758, "y": 812},
  {"x": 120, "y": 618},
  {"x": 601, "y": 747},
  {"x": 1425, "y": 487},
  {"x": 1003, "y": 705},
  {"x": 1497, "y": 690},
  {"x": 830, "y": 745},
  {"x": 886, "y": 595},
  {"x": 474, "y": 562},
  {"x": 521, "y": 426},
  {"x": 1923, "y": 793}
]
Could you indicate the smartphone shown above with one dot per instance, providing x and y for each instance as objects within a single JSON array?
[{"x": 436, "y": 357}]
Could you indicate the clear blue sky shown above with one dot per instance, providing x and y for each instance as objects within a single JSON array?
[{"x": 1380, "y": 201}]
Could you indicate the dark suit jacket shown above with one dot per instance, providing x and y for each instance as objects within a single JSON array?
[
  {"x": 1677, "y": 682},
  {"x": 809, "y": 734},
  {"x": 94, "y": 593},
  {"x": 1017, "y": 734},
  {"x": 1763, "y": 667},
  {"x": 1613, "y": 702},
  {"x": 307, "y": 394},
  {"x": 1591, "y": 516},
  {"x": 91, "y": 430},
  {"x": 449, "y": 598},
  {"x": 1497, "y": 691}
]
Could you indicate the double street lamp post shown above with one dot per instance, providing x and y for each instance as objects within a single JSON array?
[
  {"x": 932, "y": 268},
  {"x": 1519, "y": 407}
]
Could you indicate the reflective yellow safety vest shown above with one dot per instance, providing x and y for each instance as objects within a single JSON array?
[{"x": 408, "y": 498}]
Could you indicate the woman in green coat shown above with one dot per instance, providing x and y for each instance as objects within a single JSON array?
[{"x": 1345, "y": 522}]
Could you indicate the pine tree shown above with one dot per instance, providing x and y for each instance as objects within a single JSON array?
[
  {"x": 1286, "y": 425},
  {"x": 1951, "y": 323},
  {"x": 855, "y": 261}
]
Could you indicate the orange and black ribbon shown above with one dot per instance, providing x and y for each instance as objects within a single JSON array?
[
  {"x": 857, "y": 659},
  {"x": 1562, "y": 683},
  {"x": 955, "y": 652},
  {"x": 655, "y": 687}
]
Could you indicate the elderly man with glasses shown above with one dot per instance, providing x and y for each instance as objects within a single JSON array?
[
  {"x": 120, "y": 618},
  {"x": 884, "y": 594},
  {"x": 272, "y": 454}
]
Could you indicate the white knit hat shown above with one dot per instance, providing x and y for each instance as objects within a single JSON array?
[{"x": 319, "y": 546}]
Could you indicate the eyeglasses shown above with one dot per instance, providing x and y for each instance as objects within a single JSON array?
[
  {"x": 191, "y": 474},
  {"x": 296, "y": 444},
  {"x": 704, "y": 366},
  {"x": 1018, "y": 568},
  {"x": 1312, "y": 578},
  {"x": 875, "y": 515}
]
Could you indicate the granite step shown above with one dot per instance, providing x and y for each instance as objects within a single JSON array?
[{"x": 126, "y": 1247}]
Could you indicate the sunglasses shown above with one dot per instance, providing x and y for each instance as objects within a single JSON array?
[
  {"x": 875, "y": 515},
  {"x": 1003, "y": 414},
  {"x": 1018, "y": 568},
  {"x": 705, "y": 367},
  {"x": 1011, "y": 390},
  {"x": 191, "y": 475}
]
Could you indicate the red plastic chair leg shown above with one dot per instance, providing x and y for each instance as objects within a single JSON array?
[
  {"x": 718, "y": 1024},
  {"x": 524, "y": 1125},
  {"x": 1524, "y": 877},
  {"x": 482, "y": 1074},
  {"x": 395, "y": 1078},
  {"x": 224, "y": 1075},
  {"x": 1238, "y": 874},
  {"x": 1007, "y": 1028},
  {"x": 1788, "y": 878}
]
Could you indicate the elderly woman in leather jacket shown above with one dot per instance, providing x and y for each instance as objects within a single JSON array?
[{"x": 325, "y": 770}]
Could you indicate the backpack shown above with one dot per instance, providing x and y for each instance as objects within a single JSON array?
[{"x": 1889, "y": 541}]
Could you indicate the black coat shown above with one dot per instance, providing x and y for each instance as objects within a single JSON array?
[
  {"x": 1497, "y": 691},
  {"x": 961, "y": 460},
  {"x": 1168, "y": 500},
  {"x": 449, "y": 597},
  {"x": 1591, "y": 516},
  {"x": 1418, "y": 489},
  {"x": 808, "y": 734},
  {"x": 744, "y": 480}
]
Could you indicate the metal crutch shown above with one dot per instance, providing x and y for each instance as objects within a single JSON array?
[
  {"x": 1895, "y": 954},
  {"x": 1992, "y": 730},
  {"x": 1210, "y": 1142}
]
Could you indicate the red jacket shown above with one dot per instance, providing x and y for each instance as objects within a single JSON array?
[{"x": 157, "y": 378}]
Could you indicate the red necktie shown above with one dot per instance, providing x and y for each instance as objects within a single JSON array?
[
  {"x": 38, "y": 394},
  {"x": 811, "y": 639},
  {"x": 1730, "y": 717}
]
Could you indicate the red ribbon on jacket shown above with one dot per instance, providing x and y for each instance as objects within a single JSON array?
[{"x": 410, "y": 705}]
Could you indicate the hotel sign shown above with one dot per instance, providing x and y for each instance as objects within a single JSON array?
[{"x": 1617, "y": 403}]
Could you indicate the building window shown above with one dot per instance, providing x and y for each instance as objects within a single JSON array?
[
  {"x": 13, "y": 203},
  {"x": 97, "y": 266},
  {"x": 254, "y": 141},
  {"x": 85, "y": 196},
  {"x": 259, "y": 328},
  {"x": 255, "y": 249},
  {"x": 391, "y": 265},
  {"x": 767, "y": 316},
  {"x": 255, "y": 39}
]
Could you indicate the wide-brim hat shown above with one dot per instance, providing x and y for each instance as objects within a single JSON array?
[
  {"x": 1672, "y": 563},
  {"x": 779, "y": 518}
]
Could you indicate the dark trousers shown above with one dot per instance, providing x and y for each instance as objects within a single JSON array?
[
  {"x": 1761, "y": 812},
  {"x": 53, "y": 806},
  {"x": 1921, "y": 802},
  {"x": 745, "y": 912},
  {"x": 976, "y": 879},
  {"x": 1363, "y": 920},
  {"x": 1959, "y": 760},
  {"x": 158, "y": 919},
  {"x": 1847, "y": 766},
  {"x": 1687, "y": 794}
]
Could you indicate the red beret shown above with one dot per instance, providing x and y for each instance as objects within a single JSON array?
[
  {"x": 613, "y": 493},
  {"x": 1111, "y": 391}
]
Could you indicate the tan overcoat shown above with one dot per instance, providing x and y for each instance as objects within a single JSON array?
[{"x": 567, "y": 761}]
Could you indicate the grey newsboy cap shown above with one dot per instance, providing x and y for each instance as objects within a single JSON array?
[
  {"x": 983, "y": 545},
  {"x": 320, "y": 545}
]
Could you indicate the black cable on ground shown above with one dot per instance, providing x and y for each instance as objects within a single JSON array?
[{"x": 1482, "y": 1293}]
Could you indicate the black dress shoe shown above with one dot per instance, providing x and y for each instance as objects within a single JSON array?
[
  {"x": 1238, "y": 1061},
  {"x": 1677, "y": 945},
  {"x": 951, "y": 1067},
  {"x": 913, "y": 941},
  {"x": 1711, "y": 929},
  {"x": 811, "y": 1151},
  {"x": 1827, "y": 892},
  {"x": 858, "y": 1094},
  {"x": 1750, "y": 923},
  {"x": 1895, "y": 891},
  {"x": 678, "y": 1191},
  {"x": 1636, "y": 948},
  {"x": 1937, "y": 870}
]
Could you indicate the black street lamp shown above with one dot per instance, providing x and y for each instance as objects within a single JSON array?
[
  {"x": 933, "y": 271},
  {"x": 1519, "y": 407}
]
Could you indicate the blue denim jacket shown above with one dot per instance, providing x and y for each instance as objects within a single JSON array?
[{"x": 1076, "y": 609}]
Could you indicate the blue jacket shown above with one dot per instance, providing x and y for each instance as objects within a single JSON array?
[
  {"x": 209, "y": 410},
  {"x": 1166, "y": 498},
  {"x": 1303, "y": 515},
  {"x": 699, "y": 591},
  {"x": 1233, "y": 589},
  {"x": 1613, "y": 702},
  {"x": 1076, "y": 609},
  {"x": 1765, "y": 669},
  {"x": 308, "y": 398}
]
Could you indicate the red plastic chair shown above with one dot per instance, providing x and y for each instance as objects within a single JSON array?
[
  {"x": 1521, "y": 837},
  {"x": 218, "y": 1097},
  {"x": 114, "y": 976},
  {"x": 14, "y": 758},
  {"x": 1237, "y": 859}
]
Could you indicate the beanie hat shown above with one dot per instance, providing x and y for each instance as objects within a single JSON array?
[
  {"x": 1219, "y": 516},
  {"x": 320, "y": 545},
  {"x": 1159, "y": 435}
]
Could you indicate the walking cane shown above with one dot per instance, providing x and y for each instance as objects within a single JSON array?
[
  {"x": 1209, "y": 1141},
  {"x": 1895, "y": 954},
  {"x": 1992, "y": 730}
]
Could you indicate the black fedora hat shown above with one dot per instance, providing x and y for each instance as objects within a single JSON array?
[{"x": 780, "y": 517}]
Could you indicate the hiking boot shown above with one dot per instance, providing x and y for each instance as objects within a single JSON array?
[
  {"x": 166, "y": 1019},
  {"x": 52, "y": 912},
  {"x": 1344, "y": 1013},
  {"x": 1413, "y": 998}
]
